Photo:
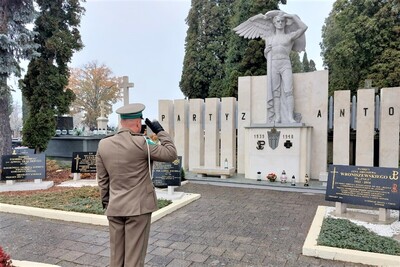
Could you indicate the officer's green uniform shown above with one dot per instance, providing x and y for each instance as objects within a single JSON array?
[{"x": 126, "y": 187}]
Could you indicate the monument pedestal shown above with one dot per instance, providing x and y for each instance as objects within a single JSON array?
[
  {"x": 270, "y": 149},
  {"x": 102, "y": 125}
]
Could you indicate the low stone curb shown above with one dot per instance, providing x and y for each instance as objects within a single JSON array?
[
  {"x": 31, "y": 264},
  {"x": 95, "y": 219},
  {"x": 310, "y": 248}
]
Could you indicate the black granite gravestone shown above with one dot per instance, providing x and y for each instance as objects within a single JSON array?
[
  {"x": 64, "y": 123},
  {"x": 83, "y": 162},
  {"x": 167, "y": 173},
  {"x": 368, "y": 186},
  {"x": 20, "y": 167}
]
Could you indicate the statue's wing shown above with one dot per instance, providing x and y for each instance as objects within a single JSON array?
[
  {"x": 300, "y": 43},
  {"x": 255, "y": 27}
]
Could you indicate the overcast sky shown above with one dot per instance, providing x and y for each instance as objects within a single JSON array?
[{"x": 145, "y": 41}]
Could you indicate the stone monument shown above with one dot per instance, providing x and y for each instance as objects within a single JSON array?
[
  {"x": 282, "y": 33},
  {"x": 102, "y": 121},
  {"x": 125, "y": 85},
  {"x": 277, "y": 140}
]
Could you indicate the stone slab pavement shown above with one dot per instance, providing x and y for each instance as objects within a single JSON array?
[{"x": 227, "y": 226}]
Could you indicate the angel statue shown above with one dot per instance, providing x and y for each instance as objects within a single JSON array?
[{"x": 282, "y": 33}]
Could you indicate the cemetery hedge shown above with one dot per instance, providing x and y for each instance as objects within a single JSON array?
[{"x": 343, "y": 233}]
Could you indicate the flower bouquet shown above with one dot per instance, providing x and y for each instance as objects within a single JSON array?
[{"x": 271, "y": 177}]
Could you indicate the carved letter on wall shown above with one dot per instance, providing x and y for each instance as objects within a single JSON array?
[{"x": 391, "y": 111}]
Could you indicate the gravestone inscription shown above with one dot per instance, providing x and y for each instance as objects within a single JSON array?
[
  {"x": 167, "y": 173},
  {"x": 367, "y": 186},
  {"x": 20, "y": 167},
  {"x": 83, "y": 162}
]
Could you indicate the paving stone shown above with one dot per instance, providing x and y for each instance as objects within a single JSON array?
[
  {"x": 179, "y": 245},
  {"x": 179, "y": 254},
  {"x": 247, "y": 248},
  {"x": 71, "y": 255},
  {"x": 160, "y": 260},
  {"x": 162, "y": 243},
  {"x": 215, "y": 251},
  {"x": 92, "y": 260},
  {"x": 233, "y": 254},
  {"x": 197, "y": 257},
  {"x": 177, "y": 237},
  {"x": 179, "y": 263},
  {"x": 161, "y": 251},
  {"x": 226, "y": 237},
  {"x": 197, "y": 248}
]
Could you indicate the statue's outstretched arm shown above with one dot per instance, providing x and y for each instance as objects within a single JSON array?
[{"x": 301, "y": 26}]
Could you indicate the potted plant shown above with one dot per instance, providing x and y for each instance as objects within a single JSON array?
[{"x": 271, "y": 177}]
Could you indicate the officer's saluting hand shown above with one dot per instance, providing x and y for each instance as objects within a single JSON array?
[{"x": 154, "y": 126}]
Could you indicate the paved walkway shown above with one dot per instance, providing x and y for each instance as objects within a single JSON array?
[{"x": 227, "y": 226}]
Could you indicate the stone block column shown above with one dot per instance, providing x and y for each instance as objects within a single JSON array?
[
  {"x": 196, "y": 133},
  {"x": 228, "y": 131},
  {"x": 243, "y": 119},
  {"x": 365, "y": 127},
  {"x": 211, "y": 131},
  {"x": 389, "y": 129},
  {"x": 181, "y": 109},
  {"x": 166, "y": 115},
  {"x": 341, "y": 126}
]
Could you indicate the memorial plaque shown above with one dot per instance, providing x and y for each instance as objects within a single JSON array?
[
  {"x": 167, "y": 173},
  {"x": 83, "y": 162},
  {"x": 20, "y": 167},
  {"x": 367, "y": 186}
]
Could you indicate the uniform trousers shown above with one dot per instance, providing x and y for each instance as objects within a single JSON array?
[{"x": 129, "y": 236}]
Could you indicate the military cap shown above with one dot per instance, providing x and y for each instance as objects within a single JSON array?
[{"x": 131, "y": 111}]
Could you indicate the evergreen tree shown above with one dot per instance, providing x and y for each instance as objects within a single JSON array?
[
  {"x": 360, "y": 40},
  {"x": 297, "y": 67},
  {"x": 218, "y": 45},
  {"x": 305, "y": 63},
  {"x": 244, "y": 57},
  {"x": 44, "y": 85},
  {"x": 312, "y": 65},
  {"x": 191, "y": 83},
  {"x": 205, "y": 47},
  {"x": 15, "y": 44}
]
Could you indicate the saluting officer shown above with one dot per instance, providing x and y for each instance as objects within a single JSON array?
[{"x": 127, "y": 192}]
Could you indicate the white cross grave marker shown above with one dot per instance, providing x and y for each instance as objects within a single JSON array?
[{"x": 126, "y": 85}]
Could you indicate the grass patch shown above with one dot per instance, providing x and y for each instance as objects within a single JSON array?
[
  {"x": 82, "y": 199},
  {"x": 343, "y": 233}
]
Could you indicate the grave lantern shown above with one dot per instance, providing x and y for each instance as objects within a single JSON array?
[
  {"x": 258, "y": 176},
  {"x": 293, "y": 181},
  {"x": 283, "y": 177},
  {"x": 306, "y": 180}
]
